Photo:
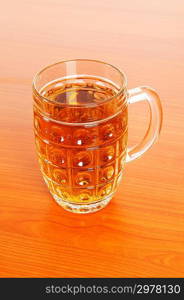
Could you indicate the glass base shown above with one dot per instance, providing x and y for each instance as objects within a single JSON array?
[{"x": 82, "y": 208}]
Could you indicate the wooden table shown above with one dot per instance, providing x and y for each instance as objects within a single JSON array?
[{"x": 141, "y": 232}]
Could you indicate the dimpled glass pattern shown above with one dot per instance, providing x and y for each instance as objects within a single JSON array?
[{"x": 81, "y": 146}]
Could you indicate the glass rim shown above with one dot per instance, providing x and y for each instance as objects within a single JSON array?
[{"x": 121, "y": 73}]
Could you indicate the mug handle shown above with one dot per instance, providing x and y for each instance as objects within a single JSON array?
[{"x": 148, "y": 94}]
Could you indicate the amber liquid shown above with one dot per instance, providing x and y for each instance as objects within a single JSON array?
[{"x": 81, "y": 145}]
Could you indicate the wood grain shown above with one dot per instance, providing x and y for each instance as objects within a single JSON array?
[{"x": 141, "y": 232}]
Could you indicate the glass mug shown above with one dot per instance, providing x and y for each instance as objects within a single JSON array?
[{"x": 80, "y": 125}]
